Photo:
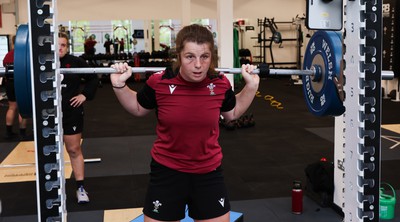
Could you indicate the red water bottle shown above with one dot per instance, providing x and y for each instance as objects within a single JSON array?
[{"x": 297, "y": 198}]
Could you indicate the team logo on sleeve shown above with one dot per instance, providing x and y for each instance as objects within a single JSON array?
[{"x": 211, "y": 87}]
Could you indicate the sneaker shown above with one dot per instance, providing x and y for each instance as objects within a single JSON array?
[
  {"x": 82, "y": 195},
  {"x": 3, "y": 96}
]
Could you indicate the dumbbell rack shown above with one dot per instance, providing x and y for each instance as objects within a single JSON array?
[
  {"x": 47, "y": 114},
  {"x": 362, "y": 132}
]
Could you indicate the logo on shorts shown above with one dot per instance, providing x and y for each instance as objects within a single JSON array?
[
  {"x": 74, "y": 128},
  {"x": 157, "y": 205},
  {"x": 222, "y": 201}
]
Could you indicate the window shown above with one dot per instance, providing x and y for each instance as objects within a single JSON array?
[
  {"x": 122, "y": 29},
  {"x": 166, "y": 30},
  {"x": 79, "y": 30}
]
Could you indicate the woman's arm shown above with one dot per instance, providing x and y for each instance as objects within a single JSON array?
[
  {"x": 126, "y": 96},
  {"x": 245, "y": 97}
]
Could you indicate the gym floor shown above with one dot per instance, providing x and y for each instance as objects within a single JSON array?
[{"x": 260, "y": 162}]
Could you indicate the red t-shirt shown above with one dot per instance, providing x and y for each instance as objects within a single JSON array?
[
  {"x": 188, "y": 120},
  {"x": 9, "y": 58}
]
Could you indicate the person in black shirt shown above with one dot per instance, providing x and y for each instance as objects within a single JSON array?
[
  {"x": 72, "y": 107},
  {"x": 122, "y": 45},
  {"x": 107, "y": 45},
  {"x": 115, "y": 45}
]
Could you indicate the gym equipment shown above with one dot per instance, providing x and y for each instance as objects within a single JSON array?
[
  {"x": 362, "y": 69},
  {"x": 324, "y": 50},
  {"x": 321, "y": 74},
  {"x": 324, "y": 14},
  {"x": 91, "y": 160},
  {"x": 265, "y": 42},
  {"x": 263, "y": 71},
  {"x": 22, "y": 63}
]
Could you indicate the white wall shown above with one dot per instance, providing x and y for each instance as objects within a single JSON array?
[
  {"x": 8, "y": 24},
  {"x": 160, "y": 9},
  {"x": 284, "y": 52},
  {"x": 11, "y": 20},
  {"x": 172, "y": 9},
  {"x": 101, "y": 10}
]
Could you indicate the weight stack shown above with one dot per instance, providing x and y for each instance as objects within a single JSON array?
[{"x": 391, "y": 36}]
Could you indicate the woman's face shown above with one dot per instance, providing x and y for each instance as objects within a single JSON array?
[{"x": 195, "y": 61}]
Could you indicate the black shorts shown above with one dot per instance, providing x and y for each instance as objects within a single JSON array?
[
  {"x": 171, "y": 191},
  {"x": 73, "y": 121},
  {"x": 10, "y": 89}
]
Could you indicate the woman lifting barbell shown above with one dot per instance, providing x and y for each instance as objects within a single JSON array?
[{"x": 186, "y": 157}]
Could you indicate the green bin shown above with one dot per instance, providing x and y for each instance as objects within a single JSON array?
[{"x": 387, "y": 203}]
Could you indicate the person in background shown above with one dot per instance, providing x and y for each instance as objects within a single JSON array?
[
  {"x": 12, "y": 110},
  {"x": 122, "y": 45},
  {"x": 116, "y": 45},
  {"x": 89, "y": 45},
  {"x": 73, "y": 98},
  {"x": 107, "y": 44},
  {"x": 186, "y": 166}
]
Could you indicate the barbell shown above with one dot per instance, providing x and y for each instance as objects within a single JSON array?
[
  {"x": 262, "y": 72},
  {"x": 322, "y": 73},
  {"x": 314, "y": 72}
]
